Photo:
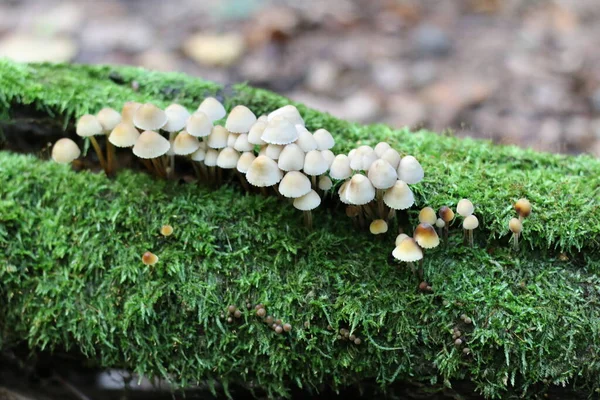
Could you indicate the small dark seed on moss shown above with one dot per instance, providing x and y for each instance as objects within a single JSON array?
[
  {"x": 237, "y": 314},
  {"x": 279, "y": 322},
  {"x": 259, "y": 305},
  {"x": 278, "y": 329},
  {"x": 287, "y": 327},
  {"x": 423, "y": 285},
  {"x": 229, "y": 319},
  {"x": 457, "y": 342},
  {"x": 352, "y": 337},
  {"x": 261, "y": 312},
  {"x": 231, "y": 309},
  {"x": 357, "y": 341},
  {"x": 269, "y": 320}
]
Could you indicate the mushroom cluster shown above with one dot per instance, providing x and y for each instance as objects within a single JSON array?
[{"x": 523, "y": 208}]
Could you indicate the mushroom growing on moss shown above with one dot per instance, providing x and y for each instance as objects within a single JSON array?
[
  {"x": 378, "y": 227},
  {"x": 447, "y": 215},
  {"x": 306, "y": 203},
  {"x": 426, "y": 236},
  {"x": 151, "y": 145},
  {"x": 523, "y": 208},
  {"x": 65, "y": 151},
  {"x": 89, "y": 126},
  {"x": 409, "y": 252},
  {"x": 427, "y": 216},
  {"x": 470, "y": 224},
  {"x": 516, "y": 227},
  {"x": 240, "y": 120},
  {"x": 109, "y": 119}
]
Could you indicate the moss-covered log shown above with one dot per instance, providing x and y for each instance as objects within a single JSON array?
[{"x": 71, "y": 276}]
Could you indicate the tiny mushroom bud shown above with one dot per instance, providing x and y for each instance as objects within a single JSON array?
[
  {"x": 261, "y": 312},
  {"x": 378, "y": 226},
  {"x": 408, "y": 251},
  {"x": 231, "y": 309},
  {"x": 240, "y": 120},
  {"x": 89, "y": 126},
  {"x": 427, "y": 215},
  {"x": 65, "y": 151},
  {"x": 328, "y": 156},
  {"x": 166, "y": 230},
  {"x": 149, "y": 117},
  {"x": 149, "y": 258},
  {"x": 446, "y": 214},
  {"x": 199, "y": 124},
  {"x": 465, "y": 207},
  {"x": 523, "y": 207},
  {"x": 469, "y": 224},
  {"x": 294, "y": 184},
  {"x": 287, "y": 327},
  {"x": 245, "y": 161},
  {"x": 237, "y": 314},
  {"x": 278, "y": 329},
  {"x": 440, "y": 223},
  {"x": 426, "y": 236},
  {"x": 242, "y": 144},
  {"x": 381, "y": 148},
  {"x": 516, "y": 227},
  {"x": 382, "y": 175},
  {"x": 357, "y": 341},
  {"x": 150, "y": 145},
  {"x": 324, "y": 139},
  {"x": 314, "y": 163},
  {"x": 128, "y": 110},
  {"x": 269, "y": 320},
  {"x": 410, "y": 171},
  {"x": 458, "y": 342},
  {"x": 212, "y": 108}
]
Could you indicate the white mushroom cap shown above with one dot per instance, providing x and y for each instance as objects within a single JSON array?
[
  {"x": 273, "y": 151},
  {"x": 360, "y": 190},
  {"x": 392, "y": 156},
  {"x": 228, "y": 158},
  {"x": 408, "y": 251},
  {"x": 288, "y": 112},
  {"x": 315, "y": 163},
  {"x": 399, "y": 196},
  {"x": 244, "y": 161},
  {"x": 325, "y": 183},
  {"x": 351, "y": 154},
  {"x": 212, "y": 108},
  {"x": 198, "y": 155},
  {"x": 382, "y": 175},
  {"x": 294, "y": 184},
  {"x": 256, "y": 131},
  {"x": 108, "y": 118},
  {"x": 88, "y": 125},
  {"x": 263, "y": 172},
  {"x": 199, "y": 124},
  {"x": 342, "y": 191},
  {"x": 151, "y": 145},
  {"x": 440, "y": 223},
  {"x": 128, "y": 110},
  {"x": 218, "y": 137},
  {"x": 279, "y": 131},
  {"x": 362, "y": 160},
  {"x": 185, "y": 144},
  {"x": 410, "y": 171},
  {"x": 242, "y": 144},
  {"x": 177, "y": 116},
  {"x": 426, "y": 236},
  {"x": 328, "y": 156},
  {"x": 381, "y": 148},
  {"x": 305, "y": 140},
  {"x": 471, "y": 222},
  {"x": 291, "y": 158},
  {"x": 263, "y": 118},
  {"x": 65, "y": 151},
  {"x": 340, "y": 167},
  {"x": 124, "y": 135},
  {"x": 400, "y": 238},
  {"x": 231, "y": 139},
  {"x": 378, "y": 226},
  {"x": 210, "y": 159},
  {"x": 308, "y": 202},
  {"x": 240, "y": 120},
  {"x": 324, "y": 139},
  {"x": 465, "y": 207},
  {"x": 149, "y": 117}
]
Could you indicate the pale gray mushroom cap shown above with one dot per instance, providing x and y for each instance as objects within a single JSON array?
[
  {"x": 381, "y": 148},
  {"x": 465, "y": 207},
  {"x": 256, "y": 131},
  {"x": 128, "y": 111},
  {"x": 408, "y": 251},
  {"x": 177, "y": 116},
  {"x": 314, "y": 163},
  {"x": 294, "y": 184},
  {"x": 305, "y": 140},
  {"x": 199, "y": 124},
  {"x": 328, "y": 156},
  {"x": 360, "y": 191},
  {"x": 291, "y": 158},
  {"x": 217, "y": 138},
  {"x": 212, "y": 108},
  {"x": 232, "y": 138},
  {"x": 471, "y": 222},
  {"x": 198, "y": 155},
  {"x": 279, "y": 131},
  {"x": 210, "y": 159},
  {"x": 342, "y": 192},
  {"x": 324, "y": 139},
  {"x": 65, "y": 151},
  {"x": 361, "y": 161},
  {"x": 288, "y": 112},
  {"x": 440, "y": 223},
  {"x": 340, "y": 167},
  {"x": 242, "y": 144},
  {"x": 228, "y": 158},
  {"x": 124, "y": 135},
  {"x": 325, "y": 183},
  {"x": 149, "y": 117},
  {"x": 399, "y": 196},
  {"x": 393, "y": 157},
  {"x": 308, "y": 202},
  {"x": 245, "y": 160},
  {"x": 108, "y": 118},
  {"x": 88, "y": 125},
  {"x": 273, "y": 151},
  {"x": 150, "y": 144},
  {"x": 185, "y": 144},
  {"x": 263, "y": 172},
  {"x": 382, "y": 175},
  {"x": 410, "y": 171},
  {"x": 240, "y": 120}
]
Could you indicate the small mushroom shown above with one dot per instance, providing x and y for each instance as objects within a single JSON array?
[
  {"x": 148, "y": 117},
  {"x": 465, "y": 208},
  {"x": 213, "y": 109},
  {"x": 469, "y": 224},
  {"x": 516, "y": 227},
  {"x": 151, "y": 145},
  {"x": 410, "y": 170},
  {"x": 378, "y": 227},
  {"x": 426, "y": 236},
  {"x": 65, "y": 151},
  {"x": 409, "y": 251},
  {"x": 149, "y": 259},
  {"x": 240, "y": 120},
  {"x": 306, "y": 203},
  {"x": 280, "y": 131},
  {"x": 89, "y": 126},
  {"x": 523, "y": 208},
  {"x": 427, "y": 215},
  {"x": 166, "y": 230}
]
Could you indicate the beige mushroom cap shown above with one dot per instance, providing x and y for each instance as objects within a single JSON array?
[
  {"x": 108, "y": 118},
  {"x": 210, "y": 159},
  {"x": 325, "y": 183},
  {"x": 378, "y": 226},
  {"x": 151, "y": 145},
  {"x": 240, "y": 120},
  {"x": 212, "y": 108},
  {"x": 124, "y": 135},
  {"x": 185, "y": 144},
  {"x": 314, "y": 163},
  {"x": 426, "y": 236},
  {"x": 291, "y": 158},
  {"x": 393, "y": 157},
  {"x": 360, "y": 190},
  {"x": 340, "y": 167},
  {"x": 244, "y": 161},
  {"x": 198, "y": 155},
  {"x": 342, "y": 192},
  {"x": 242, "y": 144},
  {"x": 228, "y": 158},
  {"x": 523, "y": 207},
  {"x": 399, "y": 196},
  {"x": 308, "y": 202},
  {"x": 515, "y": 225},
  {"x": 273, "y": 151},
  {"x": 263, "y": 172},
  {"x": 128, "y": 110},
  {"x": 65, "y": 151},
  {"x": 279, "y": 131},
  {"x": 294, "y": 184},
  {"x": 149, "y": 117},
  {"x": 427, "y": 215},
  {"x": 305, "y": 140},
  {"x": 471, "y": 222},
  {"x": 199, "y": 124},
  {"x": 88, "y": 125},
  {"x": 256, "y": 131},
  {"x": 288, "y": 112},
  {"x": 218, "y": 137},
  {"x": 408, "y": 251},
  {"x": 381, "y": 148},
  {"x": 177, "y": 116},
  {"x": 400, "y": 238},
  {"x": 410, "y": 171},
  {"x": 324, "y": 139},
  {"x": 465, "y": 207},
  {"x": 382, "y": 175},
  {"x": 328, "y": 156},
  {"x": 232, "y": 138}
]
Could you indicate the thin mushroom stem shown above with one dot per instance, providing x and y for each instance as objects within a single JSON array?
[
  {"x": 197, "y": 171},
  {"x": 110, "y": 158},
  {"x": 368, "y": 211},
  {"x": 471, "y": 237},
  {"x": 446, "y": 230},
  {"x": 159, "y": 167},
  {"x": 308, "y": 219},
  {"x": 243, "y": 180},
  {"x": 172, "y": 136},
  {"x": 412, "y": 268},
  {"x": 96, "y": 146},
  {"x": 219, "y": 175},
  {"x": 148, "y": 165},
  {"x": 361, "y": 218},
  {"x": 380, "y": 205},
  {"x": 264, "y": 192},
  {"x": 313, "y": 180},
  {"x": 420, "y": 270},
  {"x": 516, "y": 241}
]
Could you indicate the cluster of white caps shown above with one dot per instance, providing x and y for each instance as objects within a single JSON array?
[{"x": 274, "y": 150}]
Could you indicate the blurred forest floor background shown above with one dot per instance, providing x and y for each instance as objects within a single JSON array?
[{"x": 524, "y": 72}]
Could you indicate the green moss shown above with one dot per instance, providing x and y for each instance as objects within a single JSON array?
[{"x": 71, "y": 275}]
